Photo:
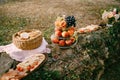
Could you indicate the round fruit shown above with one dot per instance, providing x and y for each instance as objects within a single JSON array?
[
  {"x": 68, "y": 42},
  {"x": 20, "y": 68},
  {"x": 62, "y": 43},
  {"x": 71, "y": 32},
  {"x": 57, "y": 29},
  {"x": 81, "y": 31},
  {"x": 32, "y": 66},
  {"x": 29, "y": 68},
  {"x": 65, "y": 34},
  {"x": 71, "y": 28},
  {"x": 55, "y": 40},
  {"x": 72, "y": 39},
  {"x": 70, "y": 20},
  {"x": 58, "y": 33},
  {"x": 63, "y": 24}
]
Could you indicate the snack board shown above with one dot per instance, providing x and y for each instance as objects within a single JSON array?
[{"x": 24, "y": 68}]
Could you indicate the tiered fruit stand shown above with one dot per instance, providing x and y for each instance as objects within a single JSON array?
[{"x": 65, "y": 34}]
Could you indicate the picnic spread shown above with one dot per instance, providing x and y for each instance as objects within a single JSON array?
[
  {"x": 30, "y": 47},
  {"x": 16, "y": 49}
]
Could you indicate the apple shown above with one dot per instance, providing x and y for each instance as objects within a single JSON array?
[
  {"x": 72, "y": 39},
  {"x": 65, "y": 34},
  {"x": 58, "y": 33},
  {"x": 62, "y": 43},
  {"x": 71, "y": 28},
  {"x": 68, "y": 42},
  {"x": 55, "y": 40},
  {"x": 71, "y": 32},
  {"x": 57, "y": 29}
]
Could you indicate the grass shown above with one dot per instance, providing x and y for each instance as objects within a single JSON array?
[
  {"x": 8, "y": 26},
  {"x": 83, "y": 10},
  {"x": 9, "y": 1}
]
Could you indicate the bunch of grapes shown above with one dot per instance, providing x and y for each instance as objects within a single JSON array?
[{"x": 70, "y": 20}]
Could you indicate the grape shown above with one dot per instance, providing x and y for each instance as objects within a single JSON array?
[{"x": 70, "y": 20}]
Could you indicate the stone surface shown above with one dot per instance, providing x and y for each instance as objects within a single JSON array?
[
  {"x": 84, "y": 58},
  {"x": 5, "y": 63},
  {"x": 79, "y": 62}
]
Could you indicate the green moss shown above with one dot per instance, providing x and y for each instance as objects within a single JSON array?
[
  {"x": 41, "y": 74},
  {"x": 112, "y": 66}
]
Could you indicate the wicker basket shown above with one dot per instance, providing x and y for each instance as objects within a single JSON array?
[{"x": 28, "y": 44}]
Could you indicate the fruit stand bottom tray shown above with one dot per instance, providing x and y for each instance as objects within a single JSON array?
[{"x": 71, "y": 46}]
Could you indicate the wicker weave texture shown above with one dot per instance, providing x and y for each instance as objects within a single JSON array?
[{"x": 27, "y": 44}]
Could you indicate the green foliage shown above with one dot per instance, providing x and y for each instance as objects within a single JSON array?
[
  {"x": 115, "y": 31},
  {"x": 85, "y": 75},
  {"x": 111, "y": 20},
  {"x": 71, "y": 77},
  {"x": 50, "y": 75},
  {"x": 41, "y": 74},
  {"x": 112, "y": 41},
  {"x": 97, "y": 45},
  {"x": 112, "y": 72}
]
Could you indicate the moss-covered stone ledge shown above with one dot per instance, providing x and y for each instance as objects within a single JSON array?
[
  {"x": 85, "y": 61},
  {"x": 88, "y": 59}
]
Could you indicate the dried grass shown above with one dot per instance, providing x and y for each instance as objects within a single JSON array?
[{"x": 85, "y": 11}]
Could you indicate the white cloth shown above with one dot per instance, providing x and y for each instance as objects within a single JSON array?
[{"x": 20, "y": 55}]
